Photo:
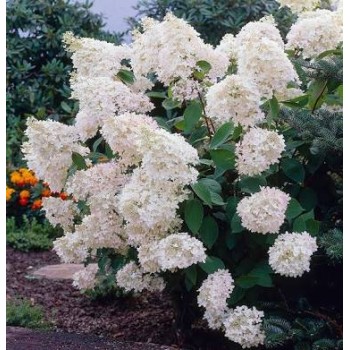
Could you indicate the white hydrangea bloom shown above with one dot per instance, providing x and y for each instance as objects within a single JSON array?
[
  {"x": 269, "y": 67},
  {"x": 103, "y": 229},
  {"x": 300, "y": 5},
  {"x": 243, "y": 326},
  {"x": 133, "y": 278},
  {"x": 71, "y": 248},
  {"x": 93, "y": 57},
  {"x": 176, "y": 251},
  {"x": 228, "y": 47},
  {"x": 324, "y": 32},
  {"x": 258, "y": 149},
  {"x": 49, "y": 149},
  {"x": 171, "y": 49},
  {"x": 85, "y": 279},
  {"x": 213, "y": 293},
  {"x": 125, "y": 135},
  {"x": 60, "y": 212},
  {"x": 264, "y": 211},
  {"x": 291, "y": 253},
  {"x": 234, "y": 99},
  {"x": 253, "y": 32},
  {"x": 98, "y": 185}
]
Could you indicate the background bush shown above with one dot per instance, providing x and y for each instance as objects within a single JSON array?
[
  {"x": 37, "y": 66},
  {"x": 213, "y": 19}
]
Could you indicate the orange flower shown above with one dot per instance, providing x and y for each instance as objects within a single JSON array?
[
  {"x": 37, "y": 204},
  {"x": 17, "y": 179},
  {"x": 46, "y": 192},
  {"x": 63, "y": 195},
  {"x": 24, "y": 194},
  {"x": 9, "y": 192},
  {"x": 23, "y": 202}
]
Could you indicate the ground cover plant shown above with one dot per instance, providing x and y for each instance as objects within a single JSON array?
[{"x": 214, "y": 173}]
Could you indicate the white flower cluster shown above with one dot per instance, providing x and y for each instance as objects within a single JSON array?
[
  {"x": 324, "y": 32},
  {"x": 96, "y": 86},
  {"x": 97, "y": 185},
  {"x": 234, "y": 99},
  {"x": 227, "y": 46},
  {"x": 258, "y": 150},
  {"x": 299, "y": 5},
  {"x": 176, "y": 251},
  {"x": 60, "y": 212},
  {"x": 133, "y": 278},
  {"x": 49, "y": 149},
  {"x": 171, "y": 49},
  {"x": 264, "y": 211},
  {"x": 291, "y": 253},
  {"x": 213, "y": 294},
  {"x": 243, "y": 326},
  {"x": 85, "y": 279},
  {"x": 262, "y": 60}
]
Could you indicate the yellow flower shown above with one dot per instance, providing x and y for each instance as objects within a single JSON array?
[{"x": 9, "y": 192}]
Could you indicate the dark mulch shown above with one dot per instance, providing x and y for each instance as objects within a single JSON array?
[
  {"x": 148, "y": 318},
  {"x": 26, "y": 339}
]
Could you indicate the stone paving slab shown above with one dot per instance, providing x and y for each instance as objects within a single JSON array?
[
  {"x": 18, "y": 338},
  {"x": 56, "y": 272}
]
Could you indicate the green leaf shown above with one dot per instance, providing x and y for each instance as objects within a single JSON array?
[
  {"x": 97, "y": 143},
  {"x": 223, "y": 158},
  {"x": 79, "y": 161},
  {"x": 213, "y": 185},
  {"x": 194, "y": 214},
  {"x": 313, "y": 227},
  {"x": 191, "y": 274},
  {"x": 169, "y": 104},
  {"x": 299, "y": 224},
  {"x": 212, "y": 264},
  {"x": 216, "y": 199},
  {"x": 231, "y": 240},
  {"x": 236, "y": 295},
  {"x": 274, "y": 110},
  {"x": 192, "y": 114},
  {"x": 308, "y": 198},
  {"x": 204, "y": 66},
  {"x": 252, "y": 184},
  {"x": 247, "y": 281},
  {"x": 66, "y": 107},
  {"x": 222, "y": 135},
  {"x": 126, "y": 76},
  {"x": 293, "y": 169},
  {"x": 294, "y": 209},
  {"x": 317, "y": 89},
  {"x": 202, "y": 192},
  {"x": 231, "y": 207},
  {"x": 209, "y": 231},
  {"x": 236, "y": 225},
  {"x": 156, "y": 94}
]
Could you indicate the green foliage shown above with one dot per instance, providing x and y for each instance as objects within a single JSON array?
[
  {"x": 213, "y": 19},
  {"x": 30, "y": 235},
  {"x": 21, "y": 313},
  {"x": 332, "y": 243},
  {"x": 37, "y": 66}
]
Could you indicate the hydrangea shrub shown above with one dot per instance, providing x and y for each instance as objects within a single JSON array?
[{"x": 179, "y": 172}]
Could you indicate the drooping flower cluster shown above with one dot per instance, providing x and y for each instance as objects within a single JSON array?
[
  {"x": 213, "y": 295},
  {"x": 325, "y": 32},
  {"x": 258, "y": 150},
  {"x": 291, "y": 253},
  {"x": 234, "y": 99},
  {"x": 86, "y": 279},
  {"x": 243, "y": 326},
  {"x": 264, "y": 211},
  {"x": 133, "y": 278},
  {"x": 299, "y": 5},
  {"x": 49, "y": 149}
]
